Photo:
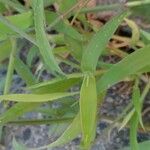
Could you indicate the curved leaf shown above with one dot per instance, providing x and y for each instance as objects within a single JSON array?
[
  {"x": 99, "y": 42},
  {"x": 70, "y": 133},
  {"x": 128, "y": 66}
]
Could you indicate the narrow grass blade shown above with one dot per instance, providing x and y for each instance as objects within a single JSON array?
[
  {"x": 5, "y": 49},
  {"x": 35, "y": 97},
  {"x": 99, "y": 42},
  {"x": 11, "y": 25},
  {"x": 10, "y": 69},
  {"x": 136, "y": 101},
  {"x": 127, "y": 119},
  {"x": 128, "y": 66},
  {"x": 88, "y": 110},
  {"x": 70, "y": 133},
  {"x": 42, "y": 121},
  {"x": 33, "y": 53},
  {"x": 14, "y": 5},
  {"x": 24, "y": 72},
  {"x": 42, "y": 41},
  {"x": 62, "y": 26},
  {"x": 133, "y": 131}
]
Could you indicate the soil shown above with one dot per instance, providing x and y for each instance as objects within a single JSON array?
[{"x": 34, "y": 136}]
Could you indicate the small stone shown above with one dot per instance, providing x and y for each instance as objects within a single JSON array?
[{"x": 26, "y": 134}]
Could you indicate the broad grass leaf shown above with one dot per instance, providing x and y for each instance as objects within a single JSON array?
[
  {"x": 70, "y": 133},
  {"x": 56, "y": 85},
  {"x": 22, "y": 21},
  {"x": 128, "y": 66},
  {"x": 42, "y": 40},
  {"x": 99, "y": 42},
  {"x": 16, "y": 24},
  {"x": 35, "y": 97},
  {"x": 65, "y": 5},
  {"x": 88, "y": 110}
]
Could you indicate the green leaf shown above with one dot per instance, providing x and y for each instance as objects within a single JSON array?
[
  {"x": 145, "y": 36},
  {"x": 127, "y": 119},
  {"x": 42, "y": 41},
  {"x": 88, "y": 110},
  {"x": 62, "y": 26},
  {"x": 16, "y": 6},
  {"x": 136, "y": 101},
  {"x": 5, "y": 49},
  {"x": 16, "y": 24},
  {"x": 99, "y": 42},
  {"x": 128, "y": 66},
  {"x": 16, "y": 111},
  {"x": 55, "y": 130},
  {"x": 35, "y": 97},
  {"x": 134, "y": 121},
  {"x": 70, "y": 133},
  {"x": 56, "y": 85},
  {"x": 75, "y": 47},
  {"x": 33, "y": 52},
  {"x": 24, "y": 71},
  {"x": 133, "y": 131},
  {"x": 65, "y": 5}
]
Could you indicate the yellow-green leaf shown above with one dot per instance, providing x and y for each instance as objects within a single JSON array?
[
  {"x": 35, "y": 97},
  {"x": 70, "y": 133},
  {"x": 42, "y": 40},
  {"x": 88, "y": 109},
  {"x": 99, "y": 42},
  {"x": 128, "y": 66}
]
